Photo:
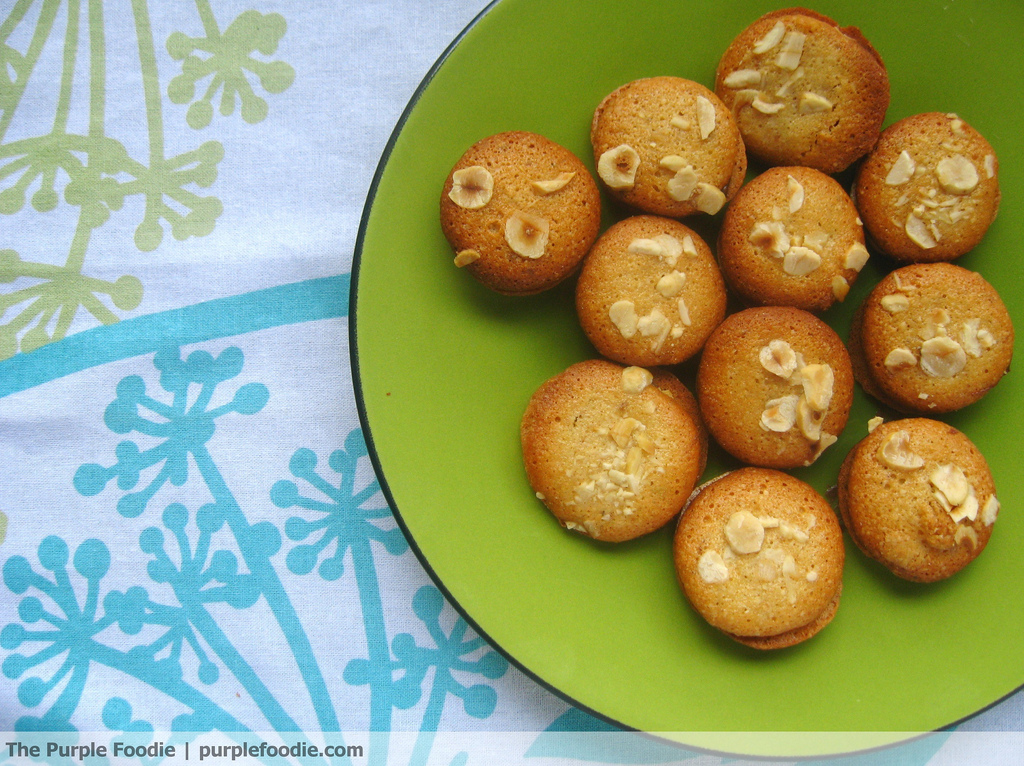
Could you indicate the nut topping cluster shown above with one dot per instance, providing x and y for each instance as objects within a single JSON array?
[
  {"x": 746, "y": 535},
  {"x": 805, "y": 410}
]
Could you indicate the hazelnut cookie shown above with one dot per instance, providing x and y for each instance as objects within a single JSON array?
[
  {"x": 792, "y": 237},
  {"x": 804, "y": 91},
  {"x": 918, "y": 496},
  {"x": 650, "y": 292},
  {"x": 775, "y": 386},
  {"x": 520, "y": 212},
  {"x": 759, "y": 555},
  {"x": 929, "y": 190},
  {"x": 668, "y": 146},
  {"x": 931, "y": 337},
  {"x": 613, "y": 452}
]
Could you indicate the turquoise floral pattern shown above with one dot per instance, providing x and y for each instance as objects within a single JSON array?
[{"x": 214, "y": 558}]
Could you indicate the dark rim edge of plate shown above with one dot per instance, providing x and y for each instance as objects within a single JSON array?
[{"x": 374, "y": 458}]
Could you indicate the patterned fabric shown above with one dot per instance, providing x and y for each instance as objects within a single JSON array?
[{"x": 191, "y": 536}]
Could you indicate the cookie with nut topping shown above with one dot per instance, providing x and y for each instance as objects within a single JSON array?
[
  {"x": 932, "y": 338},
  {"x": 650, "y": 292},
  {"x": 613, "y": 452},
  {"x": 668, "y": 146},
  {"x": 929, "y": 190},
  {"x": 792, "y": 237},
  {"x": 804, "y": 90},
  {"x": 775, "y": 386},
  {"x": 917, "y": 496},
  {"x": 759, "y": 555},
  {"x": 520, "y": 212}
]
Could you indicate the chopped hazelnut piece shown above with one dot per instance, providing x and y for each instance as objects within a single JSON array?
[
  {"x": 709, "y": 199},
  {"x": 635, "y": 379},
  {"x": 950, "y": 480},
  {"x": 778, "y": 358},
  {"x": 771, "y": 39},
  {"x": 902, "y": 170},
  {"x": 900, "y": 358},
  {"x": 466, "y": 257},
  {"x": 957, "y": 174},
  {"x": 818, "y": 383},
  {"x": 809, "y": 419},
  {"x": 670, "y": 285},
  {"x": 792, "y": 50},
  {"x": 966, "y": 533},
  {"x": 744, "y": 533},
  {"x": 796, "y": 194},
  {"x": 743, "y": 78},
  {"x": 711, "y": 567},
  {"x": 780, "y": 414},
  {"x": 617, "y": 167},
  {"x": 552, "y": 185},
  {"x": 840, "y": 288},
  {"x": 767, "y": 107},
  {"x": 895, "y": 303},
  {"x": 990, "y": 511},
  {"x": 812, "y": 103},
  {"x": 683, "y": 184},
  {"x": 800, "y": 261},
  {"x": 527, "y": 234},
  {"x": 624, "y": 317},
  {"x": 705, "y": 116},
  {"x": 771, "y": 236},
  {"x": 895, "y": 453},
  {"x": 856, "y": 257},
  {"x": 874, "y": 423},
  {"x": 471, "y": 187},
  {"x": 942, "y": 357},
  {"x": 919, "y": 233}
]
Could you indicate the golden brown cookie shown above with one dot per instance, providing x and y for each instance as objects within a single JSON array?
[
  {"x": 613, "y": 452},
  {"x": 775, "y": 386},
  {"x": 520, "y": 212},
  {"x": 933, "y": 337},
  {"x": 929, "y": 190},
  {"x": 759, "y": 555},
  {"x": 792, "y": 237},
  {"x": 917, "y": 495},
  {"x": 668, "y": 146},
  {"x": 650, "y": 292},
  {"x": 804, "y": 90}
]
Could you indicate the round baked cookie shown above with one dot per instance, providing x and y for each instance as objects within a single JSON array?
[
  {"x": 649, "y": 292},
  {"x": 775, "y": 386},
  {"x": 609, "y": 452},
  {"x": 668, "y": 146},
  {"x": 804, "y": 91},
  {"x": 933, "y": 337},
  {"x": 759, "y": 555},
  {"x": 791, "y": 237},
  {"x": 929, "y": 190},
  {"x": 520, "y": 212},
  {"x": 918, "y": 496}
]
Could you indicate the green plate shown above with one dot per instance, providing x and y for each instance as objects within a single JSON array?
[{"x": 444, "y": 369}]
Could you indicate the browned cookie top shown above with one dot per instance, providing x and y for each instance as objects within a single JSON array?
[
  {"x": 668, "y": 146},
  {"x": 759, "y": 555},
  {"x": 520, "y": 212},
  {"x": 775, "y": 386},
  {"x": 930, "y": 189},
  {"x": 610, "y": 452},
  {"x": 934, "y": 337},
  {"x": 917, "y": 495},
  {"x": 804, "y": 90}
]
